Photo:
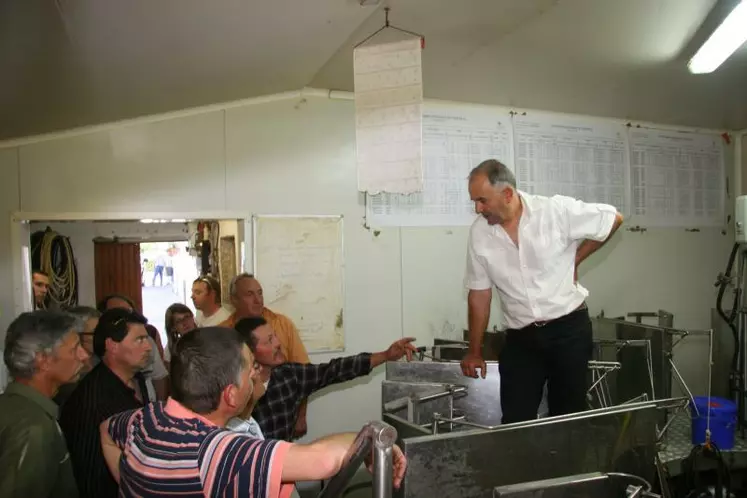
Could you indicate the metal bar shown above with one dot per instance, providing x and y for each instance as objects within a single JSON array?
[
  {"x": 661, "y": 473},
  {"x": 598, "y": 380},
  {"x": 634, "y": 491},
  {"x": 650, "y": 362},
  {"x": 685, "y": 332},
  {"x": 663, "y": 430},
  {"x": 604, "y": 365},
  {"x": 684, "y": 385},
  {"x": 383, "y": 468},
  {"x": 399, "y": 403},
  {"x": 439, "y": 418},
  {"x": 606, "y": 386},
  {"x": 375, "y": 436},
  {"x": 621, "y": 342},
  {"x": 412, "y": 410},
  {"x": 710, "y": 367},
  {"x": 637, "y": 399}
]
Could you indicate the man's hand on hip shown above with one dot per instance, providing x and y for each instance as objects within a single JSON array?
[{"x": 471, "y": 363}]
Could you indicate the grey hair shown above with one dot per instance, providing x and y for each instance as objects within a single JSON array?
[
  {"x": 33, "y": 333},
  {"x": 235, "y": 280},
  {"x": 85, "y": 313},
  {"x": 498, "y": 173}
]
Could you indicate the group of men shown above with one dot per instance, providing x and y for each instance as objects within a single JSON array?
[
  {"x": 235, "y": 400},
  {"x": 232, "y": 411}
]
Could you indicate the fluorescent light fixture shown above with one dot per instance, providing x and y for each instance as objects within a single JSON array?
[
  {"x": 175, "y": 220},
  {"x": 727, "y": 38}
]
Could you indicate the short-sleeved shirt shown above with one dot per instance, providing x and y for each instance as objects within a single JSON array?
[
  {"x": 287, "y": 334},
  {"x": 170, "y": 451},
  {"x": 213, "y": 320},
  {"x": 34, "y": 460},
  {"x": 535, "y": 281}
]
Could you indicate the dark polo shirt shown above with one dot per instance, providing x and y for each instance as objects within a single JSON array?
[{"x": 99, "y": 395}]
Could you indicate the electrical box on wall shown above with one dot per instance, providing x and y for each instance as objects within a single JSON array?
[{"x": 740, "y": 220}]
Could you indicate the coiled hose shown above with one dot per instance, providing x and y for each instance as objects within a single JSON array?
[{"x": 52, "y": 253}]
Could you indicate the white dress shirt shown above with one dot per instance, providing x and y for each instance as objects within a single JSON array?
[
  {"x": 213, "y": 320},
  {"x": 535, "y": 280}
]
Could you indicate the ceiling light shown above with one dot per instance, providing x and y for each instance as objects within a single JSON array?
[{"x": 727, "y": 38}]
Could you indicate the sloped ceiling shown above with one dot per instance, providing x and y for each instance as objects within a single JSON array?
[{"x": 69, "y": 63}]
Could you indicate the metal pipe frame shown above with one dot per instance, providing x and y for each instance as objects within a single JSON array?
[
  {"x": 660, "y": 404},
  {"x": 408, "y": 401},
  {"x": 375, "y": 437}
]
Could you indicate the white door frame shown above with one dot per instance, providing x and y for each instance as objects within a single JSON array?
[{"x": 20, "y": 243}]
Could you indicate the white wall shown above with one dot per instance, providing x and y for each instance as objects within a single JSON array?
[
  {"x": 9, "y": 202},
  {"x": 82, "y": 233},
  {"x": 298, "y": 157}
]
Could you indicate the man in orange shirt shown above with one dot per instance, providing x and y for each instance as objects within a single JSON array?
[{"x": 248, "y": 301}]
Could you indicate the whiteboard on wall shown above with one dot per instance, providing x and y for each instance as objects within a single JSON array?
[
  {"x": 583, "y": 158},
  {"x": 456, "y": 138},
  {"x": 299, "y": 260},
  {"x": 678, "y": 178}
]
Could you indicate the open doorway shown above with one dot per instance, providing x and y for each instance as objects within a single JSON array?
[
  {"x": 121, "y": 256},
  {"x": 167, "y": 273}
]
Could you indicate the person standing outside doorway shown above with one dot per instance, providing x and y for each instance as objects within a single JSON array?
[
  {"x": 529, "y": 247},
  {"x": 158, "y": 270}
]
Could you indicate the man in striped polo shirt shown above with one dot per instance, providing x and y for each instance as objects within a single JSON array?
[{"x": 181, "y": 448}]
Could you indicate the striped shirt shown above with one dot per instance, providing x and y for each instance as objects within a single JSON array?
[{"x": 168, "y": 450}]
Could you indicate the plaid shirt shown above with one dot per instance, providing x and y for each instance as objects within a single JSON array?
[{"x": 291, "y": 383}]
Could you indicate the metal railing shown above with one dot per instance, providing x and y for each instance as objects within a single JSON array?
[{"x": 378, "y": 438}]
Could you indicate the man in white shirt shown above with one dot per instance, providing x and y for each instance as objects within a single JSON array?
[
  {"x": 207, "y": 300},
  {"x": 529, "y": 247}
]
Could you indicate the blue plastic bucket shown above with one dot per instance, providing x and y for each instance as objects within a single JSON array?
[{"x": 723, "y": 421}]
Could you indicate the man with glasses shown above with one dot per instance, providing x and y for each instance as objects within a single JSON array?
[
  {"x": 115, "y": 385},
  {"x": 206, "y": 296}
]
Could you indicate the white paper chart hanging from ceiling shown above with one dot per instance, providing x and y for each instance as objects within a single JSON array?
[
  {"x": 299, "y": 261},
  {"x": 677, "y": 178},
  {"x": 584, "y": 158},
  {"x": 388, "y": 116},
  {"x": 455, "y": 140}
]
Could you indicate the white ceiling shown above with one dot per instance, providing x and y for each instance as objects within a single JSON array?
[{"x": 69, "y": 63}]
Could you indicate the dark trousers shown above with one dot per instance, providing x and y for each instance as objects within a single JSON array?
[{"x": 557, "y": 352}]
